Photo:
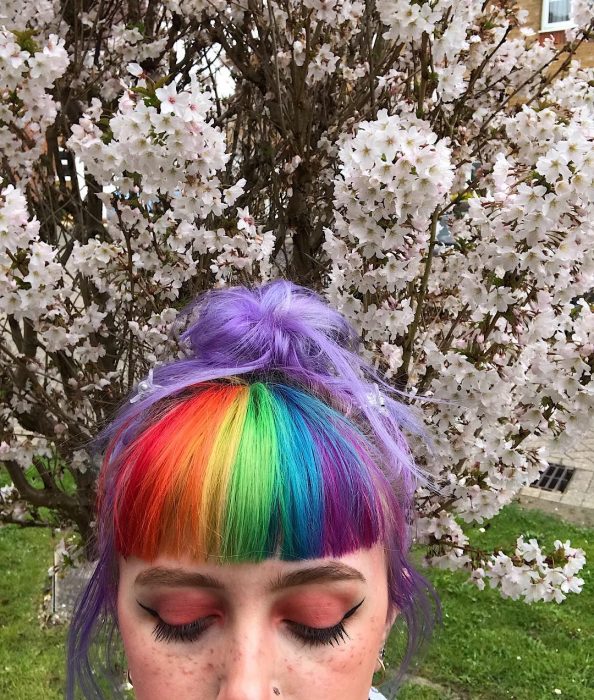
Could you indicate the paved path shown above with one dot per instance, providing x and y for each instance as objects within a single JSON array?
[{"x": 66, "y": 586}]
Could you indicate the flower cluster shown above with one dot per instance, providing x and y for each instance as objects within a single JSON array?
[
  {"x": 528, "y": 574},
  {"x": 166, "y": 149},
  {"x": 531, "y": 575},
  {"x": 158, "y": 158},
  {"x": 27, "y": 73},
  {"x": 25, "y": 286},
  {"x": 393, "y": 175}
]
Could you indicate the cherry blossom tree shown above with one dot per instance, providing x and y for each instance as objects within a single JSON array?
[{"x": 426, "y": 165}]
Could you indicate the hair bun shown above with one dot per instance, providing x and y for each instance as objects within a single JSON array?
[
  {"x": 276, "y": 327},
  {"x": 281, "y": 328}
]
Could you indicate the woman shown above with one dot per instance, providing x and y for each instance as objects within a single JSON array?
[{"x": 253, "y": 514}]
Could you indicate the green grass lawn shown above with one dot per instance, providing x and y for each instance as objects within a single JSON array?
[
  {"x": 490, "y": 648},
  {"x": 487, "y": 649},
  {"x": 32, "y": 660}
]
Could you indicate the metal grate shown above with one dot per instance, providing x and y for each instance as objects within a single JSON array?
[{"x": 554, "y": 478}]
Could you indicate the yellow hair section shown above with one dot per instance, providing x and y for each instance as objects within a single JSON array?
[{"x": 218, "y": 473}]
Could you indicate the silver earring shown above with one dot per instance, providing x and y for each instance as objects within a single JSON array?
[
  {"x": 380, "y": 658},
  {"x": 129, "y": 678}
]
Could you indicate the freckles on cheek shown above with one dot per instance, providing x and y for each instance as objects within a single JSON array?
[
  {"x": 356, "y": 659},
  {"x": 159, "y": 673},
  {"x": 348, "y": 672}
]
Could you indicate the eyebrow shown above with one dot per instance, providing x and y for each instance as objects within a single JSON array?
[
  {"x": 334, "y": 571},
  {"x": 162, "y": 576}
]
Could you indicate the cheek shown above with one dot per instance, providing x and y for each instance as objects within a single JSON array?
[
  {"x": 160, "y": 671},
  {"x": 156, "y": 669},
  {"x": 357, "y": 659},
  {"x": 342, "y": 672}
]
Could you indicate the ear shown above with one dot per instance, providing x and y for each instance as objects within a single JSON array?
[{"x": 393, "y": 612}]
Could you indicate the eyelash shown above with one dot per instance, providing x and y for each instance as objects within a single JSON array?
[
  {"x": 174, "y": 633},
  {"x": 183, "y": 633},
  {"x": 316, "y": 636},
  {"x": 313, "y": 636}
]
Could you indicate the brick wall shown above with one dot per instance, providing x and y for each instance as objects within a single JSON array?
[{"x": 585, "y": 52}]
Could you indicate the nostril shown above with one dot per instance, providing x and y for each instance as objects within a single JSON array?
[{"x": 275, "y": 690}]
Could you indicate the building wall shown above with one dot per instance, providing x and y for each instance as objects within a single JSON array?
[
  {"x": 577, "y": 503},
  {"x": 585, "y": 52}
]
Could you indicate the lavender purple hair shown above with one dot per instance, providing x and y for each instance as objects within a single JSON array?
[{"x": 266, "y": 439}]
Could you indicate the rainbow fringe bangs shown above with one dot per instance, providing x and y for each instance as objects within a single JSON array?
[{"x": 244, "y": 472}]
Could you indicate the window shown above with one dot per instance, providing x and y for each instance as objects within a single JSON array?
[{"x": 556, "y": 14}]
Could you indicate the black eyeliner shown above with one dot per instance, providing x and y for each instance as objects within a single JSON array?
[
  {"x": 324, "y": 635},
  {"x": 154, "y": 613},
  {"x": 353, "y": 610}
]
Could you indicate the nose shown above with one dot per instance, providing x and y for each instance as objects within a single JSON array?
[{"x": 249, "y": 667}]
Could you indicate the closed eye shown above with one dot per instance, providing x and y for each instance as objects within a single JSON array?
[
  {"x": 316, "y": 636},
  {"x": 191, "y": 631},
  {"x": 188, "y": 632}
]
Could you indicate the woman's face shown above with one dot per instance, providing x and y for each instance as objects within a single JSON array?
[{"x": 304, "y": 630}]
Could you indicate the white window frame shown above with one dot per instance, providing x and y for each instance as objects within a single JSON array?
[{"x": 555, "y": 26}]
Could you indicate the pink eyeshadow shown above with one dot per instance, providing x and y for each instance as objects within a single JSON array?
[
  {"x": 181, "y": 609},
  {"x": 314, "y": 610}
]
